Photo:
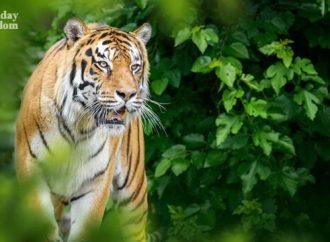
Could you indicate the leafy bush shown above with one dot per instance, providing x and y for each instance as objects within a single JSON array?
[{"x": 245, "y": 85}]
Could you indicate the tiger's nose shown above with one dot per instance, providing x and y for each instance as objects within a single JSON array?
[{"x": 126, "y": 94}]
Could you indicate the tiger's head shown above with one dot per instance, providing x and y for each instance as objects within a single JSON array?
[{"x": 109, "y": 72}]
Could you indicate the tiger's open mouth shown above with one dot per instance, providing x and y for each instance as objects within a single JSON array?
[{"x": 112, "y": 118}]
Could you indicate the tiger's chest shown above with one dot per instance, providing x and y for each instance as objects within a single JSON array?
[{"x": 67, "y": 167}]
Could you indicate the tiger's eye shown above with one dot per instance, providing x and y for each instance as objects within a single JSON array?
[
  {"x": 103, "y": 64},
  {"x": 135, "y": 67}
]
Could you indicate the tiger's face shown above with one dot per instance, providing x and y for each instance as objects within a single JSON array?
[{"x": 109, "y": 74}]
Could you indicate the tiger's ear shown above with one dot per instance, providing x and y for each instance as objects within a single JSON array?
[
  {"x": 74, "y": 29},
  {"x": 144, "y": 32}
]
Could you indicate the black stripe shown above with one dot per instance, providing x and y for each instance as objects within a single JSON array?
[
  {"x": 65, "y": 203},
  {"x": 57, "y": 48},
  {"x": 100, "y": 173},
  {"x": 42, "y": 136},
  {"x": 61, "y": 130},
  {"x": 75, "y": 97},
  {"x": 96, "y": 175},
  {"x": 124, "y": 35},
  {"x": 128, "y": 155},
  {"x": 85, "y": 138},
  {"x": 141, "y": 202},
  {"x": 99, "y": 54},
  {"x": 73, "y": 73},
  {"x": 124, "y": 202},
  {"x": 28, "y": 143},
  {"x": 137, "y": 161},
  {"x": 124, "y": 42},
  {"x": 83, "y": 67},
  {"x": 80, "y": 196},
  {"x": 104, "y": 35},
  {"x": 89, "y": 41},
  {"x": 66, "y": 128},
  {"x": 89, "y": 52},
  {"x": 134, "y": 195},
  {"x": 83, "y": 85},
  {"x": 62, "y": 46},
  {"x": 109, "y": 101},
  {"x": 138, "y": 218},
  {"x": 127, "y": 174},
  {"x": 75, "y": 94},
  {"x": 106, "y": 42},
  {"x": 87, "y": 132},
  {"x": 98, "y": 68},
  {"x": 98, "y": 151},
  {"x": 63, "y": 104},
  {"x": 138, "y": 190}
]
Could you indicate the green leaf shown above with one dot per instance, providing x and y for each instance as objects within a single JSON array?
[
  {"x": 162, "y": 167},
  {"x": 309, "y": 102},
  {"x": 159, "y": 86},
  {"x": 263, "y": 171},
  {"x": 202, "y": 65},
  {"x": 162, "y": 183},
  {"x": 270, "y": 49},
  {"x": 264, "y": 139},
  {"x": 182, "y": 36},
  {"x": 322, "y": 121},
  {"x": 198, "y": 159},
  {"x": 141, "y": 3},
  {"x": 194, "y": 140},
  {"x": 214, "y": 158},
  {"x": 248, "y": 79},
  {"x": 233, "y": 61},
  {"x": 179, "y": 166},
  {"x": 281, "y": 50},
  {"x": 279, "y": 75},
  {"x": 290, "y": 179},
  {"x": 174, "y": 77},
  {"x": 249, "y": 179},
  {"x": 286, "y": 55},
  {"x": 240, "y": 36},
  {"x": 227, "y": 124},
  {"x": 176, "y": 151},
  {"x": 210, "y": 35},
  {"x": 235, "y": 142},
  {"x": 282, "y": 108},
  {"x": 229, "y": 98},
  {"x": 287, "y": 143},
  {"x": 227, "y": 74},
  {"x": 199, "y": 40},
  {"x": 248, "y": 207},
  {"x": 303, "y": 65},
  {"x": 237, "y": 49},
  {"x": 256, "y": 108},
  {"x": 323, "y": 6},
  {"x": 191, "y": 210}
]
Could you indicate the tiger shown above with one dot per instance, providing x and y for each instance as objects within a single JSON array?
[{"x": 88, "y": 93}]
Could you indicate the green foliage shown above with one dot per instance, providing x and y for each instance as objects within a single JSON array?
[
  {"x": 19, "y": 222},
  {"x": 245, "y": 85}
]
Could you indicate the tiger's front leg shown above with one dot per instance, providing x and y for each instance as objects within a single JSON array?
[
  {"x": 87, "y": 206},
  {"x": 129, "y": 187}
]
